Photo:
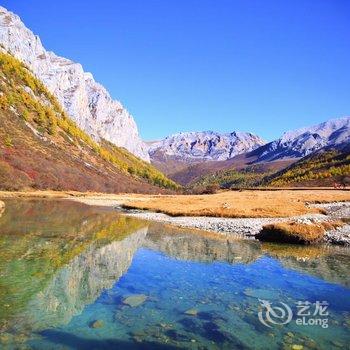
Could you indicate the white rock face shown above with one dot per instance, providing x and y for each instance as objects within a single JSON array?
[
  {"x": 205, "y": 145},
  {"x": 304, "y": 141},
  {"x": 86, "y": 102}
]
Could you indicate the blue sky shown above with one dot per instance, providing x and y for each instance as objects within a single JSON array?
[{"x": 224, "y": 65}]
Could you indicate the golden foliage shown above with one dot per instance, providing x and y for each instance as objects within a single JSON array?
[{"x": 328, "y": 165}]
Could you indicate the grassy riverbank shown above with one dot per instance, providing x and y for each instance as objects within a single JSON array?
[{"x": 245, "y": 213}]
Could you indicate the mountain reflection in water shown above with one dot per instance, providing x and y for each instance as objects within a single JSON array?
[{"x": 60, "y": 263}]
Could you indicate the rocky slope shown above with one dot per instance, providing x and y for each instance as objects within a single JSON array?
[
  {"x": 42, "y": 148},
  {"x": 87, "y": 102},
  {"x": 205, "y": 145}
]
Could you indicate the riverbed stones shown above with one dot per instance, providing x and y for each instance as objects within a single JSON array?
[{"x": 135, "y": 300}]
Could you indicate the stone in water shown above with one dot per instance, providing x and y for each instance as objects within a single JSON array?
[{"x": 135, "y": 300}]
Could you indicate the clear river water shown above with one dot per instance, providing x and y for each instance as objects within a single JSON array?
[{"x": 79, "y": 277}]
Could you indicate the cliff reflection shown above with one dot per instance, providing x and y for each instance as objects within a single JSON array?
[{"x": 56, "y": 257}]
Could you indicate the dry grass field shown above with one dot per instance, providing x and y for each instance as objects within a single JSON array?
[
  {"x": 243, "y": 204},
  {"x": 234, "y": 204}
]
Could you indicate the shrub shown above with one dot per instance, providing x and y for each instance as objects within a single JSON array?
[
  {"x": 295, "y": 233},
  {"x": 209, "y": 189}
]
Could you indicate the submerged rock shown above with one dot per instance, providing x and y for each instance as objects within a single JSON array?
[
  {"x": 97, "y": 324},
  {"x": 261, "y": 293},
  {"x": 337, "y": 344},
  {"x": 311, "y": 344},
  {"x": 191, "y": 312},
  {"x": 135, "y": 300}
]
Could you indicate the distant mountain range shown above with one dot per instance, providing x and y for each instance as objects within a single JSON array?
[
  {"x": 204, "y": 145},
  {"x": 302, "y": 142},
  {"x": 186, "y": 157}
]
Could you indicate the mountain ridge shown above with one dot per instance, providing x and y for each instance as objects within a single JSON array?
[
  {"x": 87, "y": 102},
  {"x": 205, "y": 145},
  {"x": 275, "y": 155},
  {"x": 307, "y": 140}
]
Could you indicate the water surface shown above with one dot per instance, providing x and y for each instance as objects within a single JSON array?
[{"x": 67, "y": 272}]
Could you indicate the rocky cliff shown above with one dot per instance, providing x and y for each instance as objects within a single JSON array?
[
  {"x": 41, "y": 147},
  {"x": 87, "y": 102}
]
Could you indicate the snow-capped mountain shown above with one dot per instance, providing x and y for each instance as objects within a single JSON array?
[
  {"x": 302, "y": 142},
  {"x": 205, "y": 145},
  {"x": 87, "y": 102}
]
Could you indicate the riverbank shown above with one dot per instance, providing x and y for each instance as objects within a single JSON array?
[
  {"x": 250, "y": 227},
  {"x": 229, "y": 204},
  {"x": 232, "y": 212},
  {"x": 241, "y": 204},
  {"x": 246, "y": 227}
]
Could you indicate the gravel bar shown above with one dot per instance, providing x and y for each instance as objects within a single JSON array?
[{"x": 249, "y": 227}]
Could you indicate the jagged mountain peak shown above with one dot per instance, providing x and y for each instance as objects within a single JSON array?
[
  {"x": 307, "y": 140},
  {"x": 87, "y": 102},
  {"x": 323, "y": 129},
  {"x": 205, "y": 145}
]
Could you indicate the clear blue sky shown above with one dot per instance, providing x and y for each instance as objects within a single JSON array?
[{"x": 180, "y": 65}]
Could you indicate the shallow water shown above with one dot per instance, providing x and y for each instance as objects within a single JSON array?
[{"x": 78, "y": 277}]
